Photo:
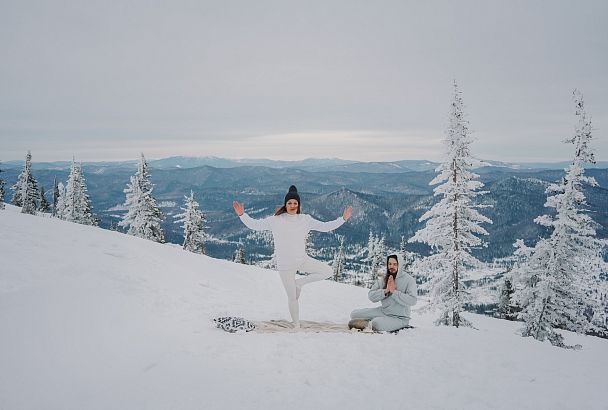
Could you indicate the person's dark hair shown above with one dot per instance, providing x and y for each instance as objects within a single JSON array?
[
  {"x": 283, "y": 210},
  {"x": 292, "y": 194},
  {"x": 387, "y": 271}
]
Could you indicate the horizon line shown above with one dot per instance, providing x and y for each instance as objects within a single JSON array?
[{"x": 544, "y": 161}]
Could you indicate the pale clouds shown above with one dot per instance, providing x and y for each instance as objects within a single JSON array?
[
  {"x": 351, "y": 79},
  {"x": 354, "y": 145}
]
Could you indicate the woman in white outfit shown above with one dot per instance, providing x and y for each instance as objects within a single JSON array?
[{"x": 289, "y": 228}]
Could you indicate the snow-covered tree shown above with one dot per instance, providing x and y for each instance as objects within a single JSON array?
[
  {"x": 77, "y": 205},
  {"x": 1, "y": 191},
  {"x": 44, "y": 204},
  {"x": 143, "y": 216},
  {"x": 408, "y": 257},
  {"x": 556, "y": 276},
  {"x": 239, "y": 254},
  {"x": 55, "y": 196},
  {"x": 339, "y": 260},
  {"x": 26, "y": 192},
  {"x": 506, "y": 305},
  {"x": 60, "y": 209},
  {"x": 376, "y": 257},
  {"x": 371, "y": 250},
  {"x": 193, "y": 220},
  {"x": 403, "y": 246},
  {"x": 453, "y": 224},
  {"x": 22, "y": 180},
  {"x": 380, "y": 262},
  {"x": 16, "y": 198}
]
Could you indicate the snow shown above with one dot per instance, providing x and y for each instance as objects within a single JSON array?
[
  {"x": 118, "y": 207},
  {"x": 167, "y": 204},
  {"x": 97, "y": 319}
]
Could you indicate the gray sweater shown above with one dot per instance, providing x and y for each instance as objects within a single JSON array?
[{"x": 405, "y": 295}]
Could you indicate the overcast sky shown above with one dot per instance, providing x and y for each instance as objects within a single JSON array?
[{"x": 362, "y": 80}]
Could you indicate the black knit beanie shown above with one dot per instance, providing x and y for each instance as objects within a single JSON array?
[{"x": 292, "y": 194}]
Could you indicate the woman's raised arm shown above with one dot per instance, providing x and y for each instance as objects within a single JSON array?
[{"x": 255, "y": 224}]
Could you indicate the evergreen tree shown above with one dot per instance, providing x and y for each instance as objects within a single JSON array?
[
  {"x": 61, "y": 196},
  {"x": 1, "y": 191},
  {"x": 239, "y": 254},
  {"x": 506, "y": 306},
  {"x": 408, "y": 257},
  {"x": 16, "y": 198},
  {"x": 371, "y": 251},
  {"x": 453, "y": 223},
  {"x": 557, "y": 275},
  {"x": 21, "y": 180},
  {"x": 193, "y": 224},
  {"x": 339, "y": 260},
  {"x": 44, "y": 204},
  {"x": 380, "y": 257},
  {"x": 402, "y": 248},
  {"x": 376, "y": 250},
  {"x": 77, "y": 205},
  {"x": 143, "y": 216},
  {"x": 55, "y": 196},
  {"x": 26, "y": 194}
]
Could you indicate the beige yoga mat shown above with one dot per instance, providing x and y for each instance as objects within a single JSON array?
[{"x": 275, "y": 326}]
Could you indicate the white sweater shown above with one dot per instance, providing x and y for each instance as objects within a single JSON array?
[{"x": 289, "y": 233}]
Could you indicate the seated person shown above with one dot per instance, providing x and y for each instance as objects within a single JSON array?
[{"x": 396, "y": 291}]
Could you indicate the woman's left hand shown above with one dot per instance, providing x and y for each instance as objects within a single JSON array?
[{"x": 347, "y": 213}]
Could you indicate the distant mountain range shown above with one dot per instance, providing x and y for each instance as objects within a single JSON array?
[
  {"x": 311, "y": 164},
  {"x": 388, "y": 198}
]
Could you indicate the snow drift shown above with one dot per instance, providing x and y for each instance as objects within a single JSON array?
[{"x": 95, "y": 319}]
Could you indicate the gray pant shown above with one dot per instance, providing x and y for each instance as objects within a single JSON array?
[{"x": 380, "y": 321}]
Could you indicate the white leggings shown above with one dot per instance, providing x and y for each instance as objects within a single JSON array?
[{"x": 316, "y": 270}]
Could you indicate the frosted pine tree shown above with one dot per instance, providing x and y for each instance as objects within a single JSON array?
[
  {"x": 44, "y": 204},
  {"x": 30, "y": 195},
  {"x": 16, "y": 198},
  {"x": 339, "y": 260},
  {"x": 143, "y": 216},
  {"x": 452, "y": 225},
  {"x": 506, "y": 305},
  {"x": 1, "y": 191},
  {"x": 380, "y": 258},
  {"x": 371, "y": 251},
  {"x": 59, "y": 213},
  {"x": 193, "y": 220},
  {"x": 402, "y": 247},
  {"x": 55, "y": 196},
  {"x": 375, "y": 257},
  {"x": 557, "y": 275},
  {"x": 77, "y": 205},
  {"x": 25, "y": 190},
  {"x": 408, "y": 257},
  {"x": 239, "y": 254}
]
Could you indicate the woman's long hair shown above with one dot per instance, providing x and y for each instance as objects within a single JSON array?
[
  {"x": 387, "y": 271},
  {"x": 283, "y": 210}
]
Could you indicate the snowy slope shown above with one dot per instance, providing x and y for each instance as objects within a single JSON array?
[{"x": 95, "y": 319}]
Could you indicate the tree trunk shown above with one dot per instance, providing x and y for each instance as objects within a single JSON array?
[{"x": 456, "y": 312}]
